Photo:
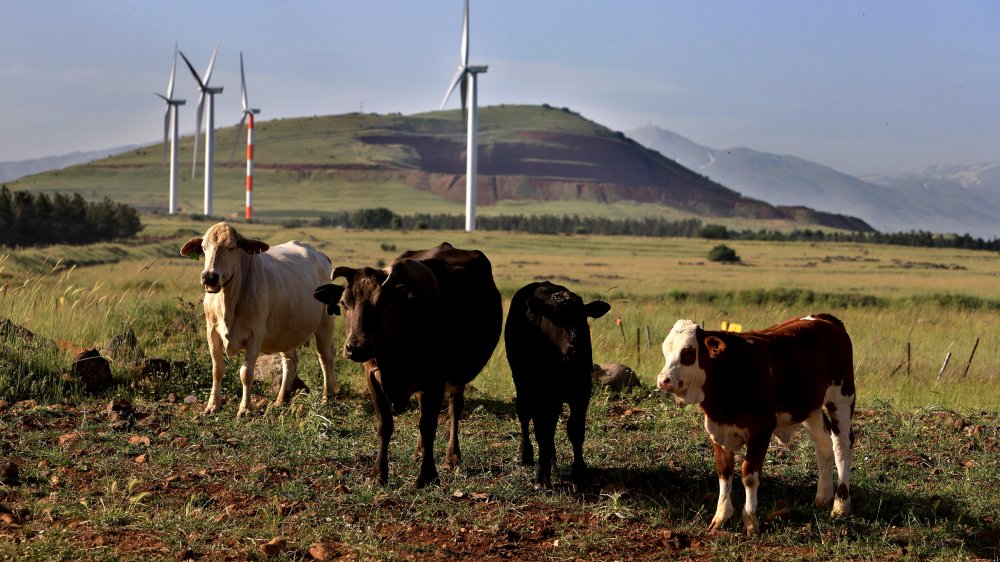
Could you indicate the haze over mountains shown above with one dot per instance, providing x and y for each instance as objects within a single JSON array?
[
  {"x": 958, "y": 198},
  {"x": 12, "y": 170}
]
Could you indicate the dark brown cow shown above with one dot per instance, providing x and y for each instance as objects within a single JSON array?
[
  {"x": 548, "y": 348},
  {"x": 425, "y": 325},
  {"x": 753, "y": 384}
]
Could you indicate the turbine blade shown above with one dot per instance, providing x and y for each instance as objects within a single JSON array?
[
  {"x": 465, "y": 35},
  {"x": 211, "y": 63},
  {"x": 201, "y": 85},
  {"x": 243, "y": 87},
  {"x": 459, "y": 77},
  {"x": 239, "y": 137},
  {"x": 162, "y": 97},
  {"x": 173, "y": 72},
  {"x": 197, "y": 133}
]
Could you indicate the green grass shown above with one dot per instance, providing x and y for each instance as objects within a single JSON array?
[{"x": 212, "y": 487}]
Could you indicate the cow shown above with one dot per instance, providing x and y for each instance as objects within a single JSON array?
[
  {"x": 548, "y": 348},
  {"x": 753, "y": 384},
  {"x": 258, "y": 299},
  {"x": 425, "y": 325}
]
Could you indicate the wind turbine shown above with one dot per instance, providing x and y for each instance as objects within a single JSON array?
[
  {"x": 206, "y": 92},
  {"x": 170, "y": 127},
  {"x": 248, "y": 114},
  {"x": 467, "y": 76}
]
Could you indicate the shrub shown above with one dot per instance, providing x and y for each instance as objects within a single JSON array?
[{"x": 723, "y": 253}]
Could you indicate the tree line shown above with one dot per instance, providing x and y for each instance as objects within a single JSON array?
[
  {"x": 382, "y": 218},
  {"x": 37, "y": 219}
]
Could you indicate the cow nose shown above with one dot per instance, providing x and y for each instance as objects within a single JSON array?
[
  {"x": 663, "y": 383},
  {"x": 209, "y": 278}
]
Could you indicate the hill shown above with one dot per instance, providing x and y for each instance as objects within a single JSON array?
[
  {"x": 532, "y": 159},
  {"x": 955, "y": 198}
]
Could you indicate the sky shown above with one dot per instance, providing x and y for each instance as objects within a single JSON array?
[{"x": 863, "y": 86}]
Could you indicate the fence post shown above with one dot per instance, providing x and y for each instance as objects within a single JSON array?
[
  {"x": 943, "y": 367},
  {"x": 971, "y": 355}
]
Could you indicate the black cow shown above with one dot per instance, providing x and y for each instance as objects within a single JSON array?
[
  {"x": 548, "y": 348},
  {"x": 426, "y": 324}
]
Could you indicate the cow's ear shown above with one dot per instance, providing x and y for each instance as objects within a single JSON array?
[
  {"x": 715, "y": 346},
  {"x": 252, "y": 246},
  {"x": 596, "y": 309},
  {"x": 329, "y": 295},
  {"x": 192, "y": 245},
  {"x": 345, "y": 272}
]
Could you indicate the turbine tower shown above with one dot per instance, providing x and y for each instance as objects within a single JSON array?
[
  {"x": 467, "y": 75},
  {"x": 248, "y": 114},
  {"x": 209, "y": 93},
  {"x": 170, "y": 128}
]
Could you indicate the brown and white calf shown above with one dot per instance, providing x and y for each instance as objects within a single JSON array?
[
  {"x": 258, "y": 299},
  {"x": 754, "y": 384}
]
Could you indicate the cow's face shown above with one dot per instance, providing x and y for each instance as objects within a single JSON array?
[
  {"x": 681, "y": 373},
  {"x": 222, "y": 247},
  {"x": 562, "y": 318},
  {"x": 385, "y": 310}
]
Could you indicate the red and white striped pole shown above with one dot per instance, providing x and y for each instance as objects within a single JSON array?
[{"x": 249, "y": 166}]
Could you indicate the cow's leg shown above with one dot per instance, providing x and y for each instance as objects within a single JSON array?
[
  {"x": 725, "y": 465},
  {"x": 545, "y": 420},
  {"x": 384, "y": 423},
  {"x": 246, "y": 376},
  {"x": 456, "y": 403},
  {"x": 289, "y": 372},
  {"x": 430, "y": 407},
  {"x": 575, "y": 430},
  {"x": 524, "y": 450},
  {"x": 751, "y": 469},
  {"x": 824, "y": 458},
  {"x": 218, "y": 353},
  {"x": 840, "y": 409},
  {"x": 326, "y": 353}
]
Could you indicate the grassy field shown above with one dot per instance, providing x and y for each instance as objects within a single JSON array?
[{"x": 165, "y": 482}]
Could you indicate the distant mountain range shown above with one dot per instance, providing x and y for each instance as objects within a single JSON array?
[
  {"x": 958, "y": 198},
  {"x": 12, "y": 170}
]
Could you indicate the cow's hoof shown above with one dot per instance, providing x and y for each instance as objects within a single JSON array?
[
  {"x": 377, "y": 476},
  {"x": 425, "y": 480},
  {"x": 841, "y": 507},
  {"x": 822, "y": 503},
  {"x": 716, "y": 524},
  {"x": 452, "y": 463},
  {"x": 211, "y": 409},
  {"x": 543, "y": 483},
  {"x": 244, "y": 412},
  {"x": 750, "y": 523}
]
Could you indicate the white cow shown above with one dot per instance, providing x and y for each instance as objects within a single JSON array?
[{"x": 259, "y": 299}]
